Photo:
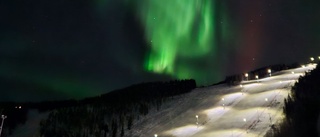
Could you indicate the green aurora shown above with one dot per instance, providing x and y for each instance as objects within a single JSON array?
[
  {"x": 180, "y": 34},
  {"x": 183, "y": 37},
  {"x": 79, "y": 49}
]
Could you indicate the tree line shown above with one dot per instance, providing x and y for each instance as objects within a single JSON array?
[
  {"x": 301, "y": 109},
  {"x": 261, "y": 72},
  {"x": 111, "y": 114}
]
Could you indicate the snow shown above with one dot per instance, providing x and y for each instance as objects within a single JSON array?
[
  {"x": 224, "y": 111},
  {"x": 32, "y": 125}
]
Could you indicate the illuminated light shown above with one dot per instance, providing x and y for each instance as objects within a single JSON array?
[
  {"x": 19, "y": 107},
  {"x": 246, "y": 75},
  {"x": 269, "y": 71},
  {"x": 241, "y": 85},
  {"x": 319, "y": 57},
  {"x": 155, "y": 135},
  {"x": 223, "y": 99},
  {"x": 197, "y": 121},
  {"x": 251, "y": 113},
  {"x": 280, "y": 81},
  {"x": 303, "y": 66},
  {"x": 292, "y": 72},
  {"x": 3, "y": 117},
  {"x": 257, "y": 77},
  {"x": 266, "y": 99},
  {"x": 311, "y": 58}
]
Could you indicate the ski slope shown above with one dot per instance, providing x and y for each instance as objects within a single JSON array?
[{"x": 246, "y": 110}]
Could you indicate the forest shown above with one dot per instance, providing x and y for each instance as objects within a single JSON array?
[
  {"x": 261, "y": 72},
  {"x": 301, "y": 109},
  {"x": 110, "y": 114}
]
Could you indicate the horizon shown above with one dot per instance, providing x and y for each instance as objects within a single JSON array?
[{"x": 223, "y": 81}]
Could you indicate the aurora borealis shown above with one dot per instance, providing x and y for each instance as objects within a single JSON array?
[
  {"x": 62, "y": 49},
  {"x": 177, "y": 29}
]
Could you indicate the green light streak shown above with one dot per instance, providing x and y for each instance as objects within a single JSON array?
[{"x": 177, "y": 30}]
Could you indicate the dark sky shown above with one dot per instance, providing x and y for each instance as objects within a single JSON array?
[{"x": 74, "y": 49}]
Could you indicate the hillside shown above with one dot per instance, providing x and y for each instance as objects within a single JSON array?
[
  {"x": 166, "y": 109},
  {"x": 223, "y": 110},
  {"x": 105, "y": 114}
]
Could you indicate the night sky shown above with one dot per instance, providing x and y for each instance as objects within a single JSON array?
[{"x": 52, "y": 50}]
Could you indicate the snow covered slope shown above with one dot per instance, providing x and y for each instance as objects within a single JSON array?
[{"x": 223, "y": 111}]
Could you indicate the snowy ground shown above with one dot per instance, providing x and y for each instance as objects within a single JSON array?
[
  {"x": 223, "y": 111},
  {"x": 32, "y": 125}
]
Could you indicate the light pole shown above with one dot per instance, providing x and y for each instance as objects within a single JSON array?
[
  {"x": 223, "y": 103},
  {"x": 197, "y": 120},
  {"x": 270, "y": 119},
  {"x": 269, "y": 71},
  {"x": 3, "y": 117},
  {"x": 241, "y": 87},
  {"x": 246, "y": 75},
  {"x": 245, "y": 120}
]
